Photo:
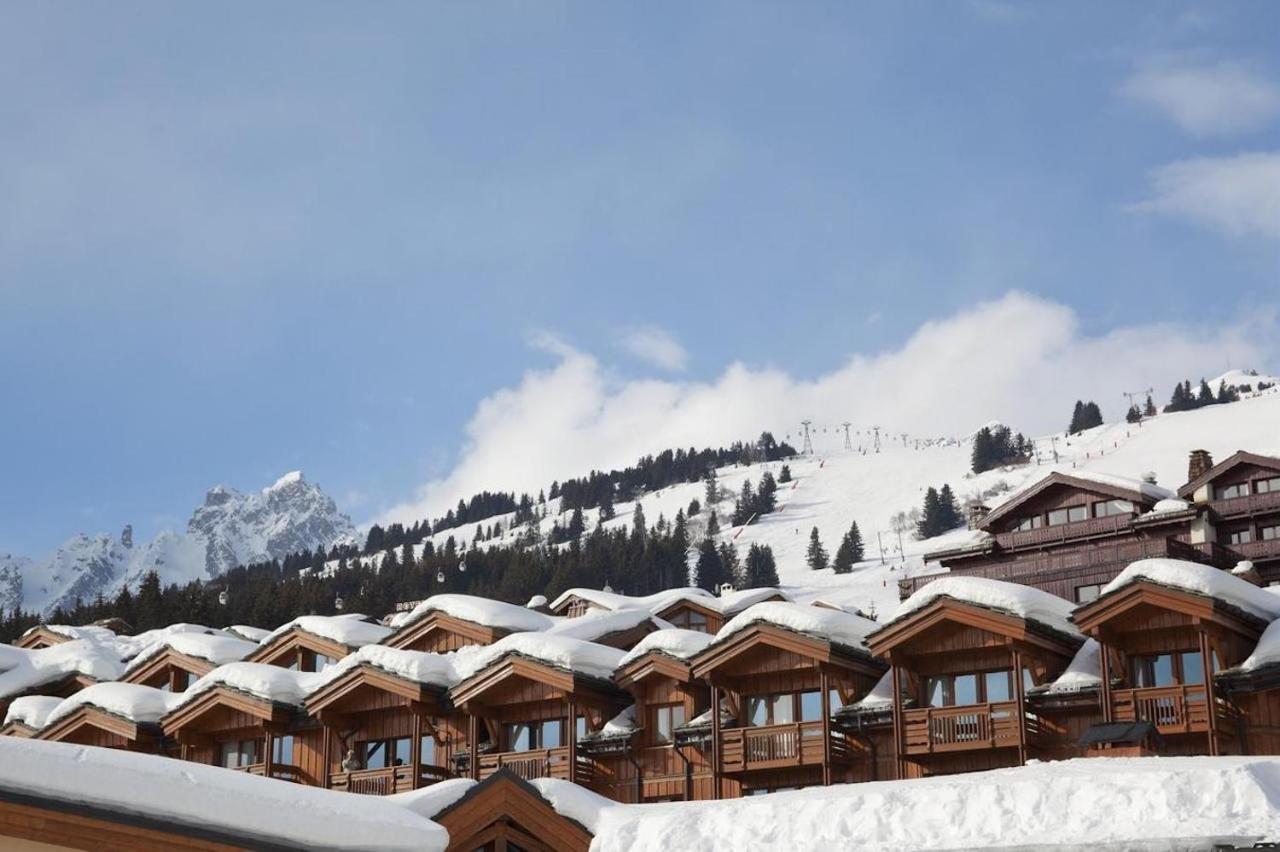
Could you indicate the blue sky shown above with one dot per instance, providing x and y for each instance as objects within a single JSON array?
[{"x": 242, "y": 239}]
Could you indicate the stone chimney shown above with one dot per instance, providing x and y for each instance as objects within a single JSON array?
[
  {"x": 1200, "y": 463},
  {"x": 976, "y": 513},
  {"x": 1245, "y": 571}
]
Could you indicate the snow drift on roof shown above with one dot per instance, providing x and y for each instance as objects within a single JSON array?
[
  {"x": 836, "y": 626},
  {"x": 98, "y": 660},
  {"x": 490, "y": 613},
  {"x": 597, "y": 624},
  {"x": 586, "y": 658},
  {"x": 130, "y": 701},
  {"x": 652, "y": 603},
  {"x": 216, "y": 649},
  {"x": 1128, "y": 802},
  {"x": 1266, "y": 652},
  {"x": 270, "y": 683},
  {"x": 1084, "y": 672},
  {"x": 1010, "y": 598},
  {"x": 432, "y": 799},
  {"x": 1168, "y": 506},
  {"x": 1147, "y": 489},
  {"x": 71, "y": 631},
  {"x": 249, "y": 633},
  {"x": 350, "y": 630},
  {"x": 672, "y": 641},
  {"x": 31, "y": 710},
  {"x": 1200, "y": 579},
  {"x": 417, "y": 666},
  {"x": 879, "y": 698},
  {"x": 210, "y": 797},
  {"x": 131, "y": 646}
]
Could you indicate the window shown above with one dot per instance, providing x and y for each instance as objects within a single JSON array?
[
  {"x": 1031, "y": 523},
  {"x": 528, "y": 736},
  {"x": 1267, "y": 486},
  {"x": 976, "y": 688},
  {"x": 665, "y": 720},
  {"x": 1269, "y": 533},
  {"x": 690, "y": 619},
  {"x": 783, "y": 708},
  {"x": 382, "y": 754},
  {"x": 1069, "y": 515},
  {"x": 237, "y": 753},
  {"x": 182, "y": 678},
  {"x": 757, "y": 711},
  {"x": 1228, "y": 492},
  {"x": 1112, "y": 507},
  {"x": 1240, "y": 537},
  {"x": 428, "y": 750},
  {"x": 1153, "y": 670},
  {"x": 282, "y": 749},
  {"x": 811, "y": 706},
  {"x": 1084, "y": 594},
  {"x": 1192, "y": 668}
]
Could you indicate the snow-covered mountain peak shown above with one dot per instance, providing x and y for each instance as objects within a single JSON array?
[{"x": 291, "y": 478}]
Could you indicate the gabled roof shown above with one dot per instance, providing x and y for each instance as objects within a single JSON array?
[
  {"x": 613, "y": 600},
  {"x": 566, "y": 664},
  {"x": 494, "y": 614},
  {"x": 508, "y": 806},
  {"x": 1121, "y": 488},
  {"x": 342, "y": 633},
  {"x": 197, "y": 652},
  {"x": 999, "y": 622},
  {"x": 1195, "y": 579},
  {"x": 1041, "y": 608},
  {"x": 1115, "y": 606},
  {"x": 824, "y": 635},
  {"x": 1237, "y": 458}
]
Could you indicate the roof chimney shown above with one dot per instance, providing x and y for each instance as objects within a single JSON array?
[{"x": 1200, "y": 463}]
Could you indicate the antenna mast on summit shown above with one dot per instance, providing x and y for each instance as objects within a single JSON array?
[
  {"x": 808, "y": 442},
  {"x": 848, "y": 444}
]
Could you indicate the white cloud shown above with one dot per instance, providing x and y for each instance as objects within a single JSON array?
[
  {"x": 1238, "y": 195},
  {"x": 1206, "y": 100},
  {"x": 1020, "y": 359},
  {"x": 656, "y": 347}
]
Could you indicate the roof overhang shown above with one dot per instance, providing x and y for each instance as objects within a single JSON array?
[
  {"x": 509, "y": 808},
  {"x": 650, "y": 665},
  {"x": 1101, "y": 612},
  {"x": 161, "y": 662},
  {"x": 476, "y": 634},
  {"x": 1055, "y": 480},
  {"x": 294, "y": 638},
  {"x": 188, "y": 716},
  {"x": 1237, "y": 458},
  {"x": 944, "y": 609},
  {"x": 719, "y": 655},
  {"x": 89, "y": 716},
  {"x": 365, "y": 677},
  {"x": 477, "y": 690}
]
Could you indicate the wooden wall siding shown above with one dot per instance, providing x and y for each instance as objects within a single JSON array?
[
  {"x": 1059, "y": 496},
  {"x": 60, "y": 828},
  {"x": 955, "y": 763},
  {"x": 92, "y": 736}
]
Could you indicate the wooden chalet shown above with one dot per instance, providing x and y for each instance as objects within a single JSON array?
[
  {"x": 402, "y": 733},
  {"x": 312, "y": 642},
  {"x": 775, "y": 673},
  {"x": 1241, "y": 498},
  {"x": 527, "y": 710},
  {"x": 960, "y": 668},
  {"x": 237, "y": 729},
  {"x": 63, "y": 685},
  {"x": 505, "y": 812},
  {"x": 657, "y": 767},
  {"x": 709, "y": 614},
  {"x": 184, "y": 658},
  {"x": 1162, "y": 641},
  {"x": 94, "y": 726},
  {"x": 1070, "y": 534}
]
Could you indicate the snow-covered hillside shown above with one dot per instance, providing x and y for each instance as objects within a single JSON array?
[
  {"x": 228, "y": 529},
  {"x": 836, "y": 486}
]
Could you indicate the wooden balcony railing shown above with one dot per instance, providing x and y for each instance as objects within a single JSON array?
[
  {"x": 660, "y": 761},
  {"x": 1172, "y": 709},
  {"x": 1265, "y": 549},
  {"x": 281, "y": 771},
  {"x": 385, "y": 781},
  {"x": 777, "y": 746},
  {"x": 1060, "y": 533},
  {"x": 1250, "y": 504},
  {"x": 540, "y": 763},
  {"x": 969, "y": 726}
]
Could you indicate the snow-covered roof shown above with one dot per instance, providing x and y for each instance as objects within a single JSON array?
[
  {"x": 72, "y": 631},
  {"x": 33, "y": 669},
  {"x": 130, "y": 701},
  {"x": 434, "y": 798},
  {"x": 563, "y": 652},
  {"x": 350, "y": 630},
  {"x": 833, "y": 625},
  {"x": 1094, "y": 802},
  {"x": 31, "y": 710},
  {"x": 217, "y": 649},
  {"x": 537, "y": 602},
  {"x": 673, "y": 641},
  {"x": 1203, "y": 580},
  {"x": 131, "y": 646},
  {"x": 1266, "y": 652},
  {"x": 653, "y": 603},
  {"x": 417, "y": 666},
  {"x": 1147, "y": 489},
  {"x": 1084, "y": 672},
  {"x": 270, "y": 683},
  {"x": 249, "y": 633},
  {"x": 1169, "y": 505},
  {"x": 489, "y": 613},
  {"x": 595, "y": 625},
  {"x": 622, "y": 725},
  {"x": 210, "y": 798},
  {"x": 1013, "y": 599},
  {"x": 879, "y": 698}
]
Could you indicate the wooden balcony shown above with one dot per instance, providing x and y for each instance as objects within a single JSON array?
[
  {"x": 385, "y": 781},
  {"x": 966, "y": 727},
  {"x": 1250, "y": 504},
  {"x": 1256, "y": 550},
  {"x": 540, "y": 763},
  {"x": 281, "y": 771},
  {"x": 1172, "y": 709},
  {"x": 777, "y": 747},
  {"x": 1062, "y": 533}
]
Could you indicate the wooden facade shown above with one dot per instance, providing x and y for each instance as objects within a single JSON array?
[
  {"x": 1240, "y": 498},
  {"x": 959, "y": 677},
  {"x": 300, "y": 650},
  {"x": 504, "y": 812},
  {"x": 169, "y": 670},
  {"x": 438, "y": 632},
  {"x": 92, "y": 726}
]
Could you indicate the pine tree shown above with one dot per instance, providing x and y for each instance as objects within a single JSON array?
[
  {"x": 694, "y": 507},
  {"x": 1150, "y": 409},
  {"x": 1206, "y": 394},
  {"x": 713, "y": 525},
  {"x": 638, "y": 526},
  {"x": 850, "y": 550},
  {"x": 784, "y": 475},
  {"x": 711, "y": 492},
  {"x": 1134, "y": 414},
  {"x": 949, "y": 514},
  {"x": 1077, "y": 417},
  {"x": 711, "y": 569},
  {"x": 816, "y": 555},
  {"x": 745, "y": 507},
  {"x": 150, "y": 603},
  {"x": 759, "y": 570},
  {"x": 929, "y": 525},
  {"x": 765, "y": 502},
  {"x": 577, "y": 526},
  {"x": 606, "y": 505}
]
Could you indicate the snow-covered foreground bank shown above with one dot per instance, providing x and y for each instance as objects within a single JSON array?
[{"x": 1122, "y": 803}]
